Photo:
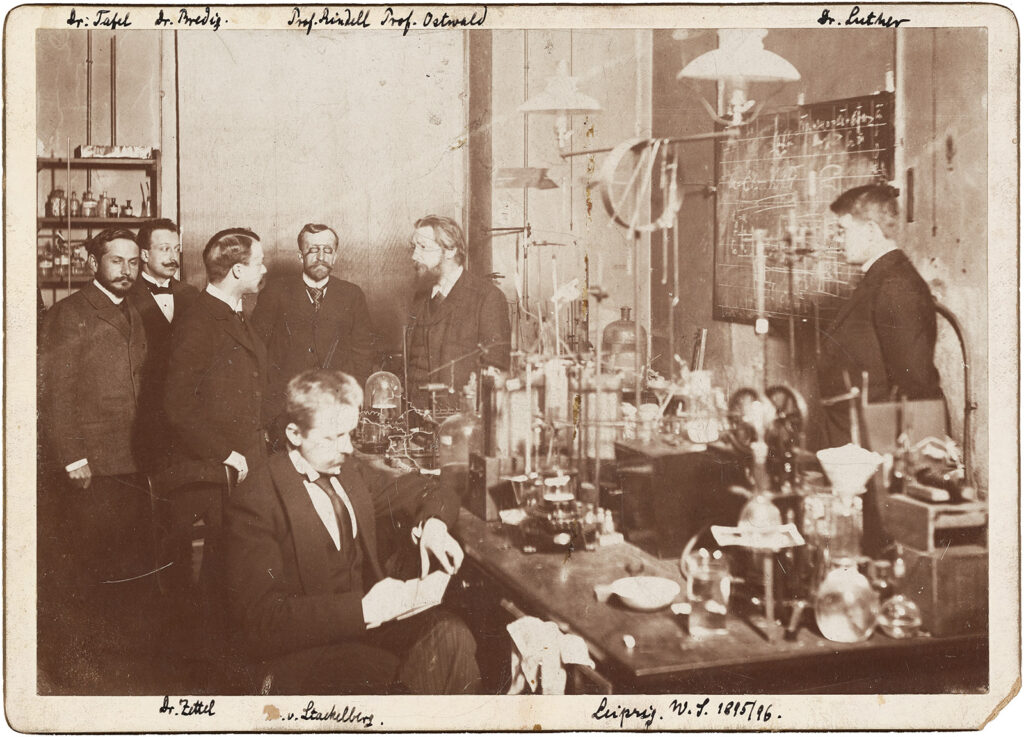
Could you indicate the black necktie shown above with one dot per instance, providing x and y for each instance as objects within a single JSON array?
[
  {"x": 241, "y": 317},
  {"x": 344, "y": 523},
  {"x": 125, "y": 310},
  {"x": 156, "y": 288}
]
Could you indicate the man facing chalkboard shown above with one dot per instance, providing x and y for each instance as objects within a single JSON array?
[{"x": 887, "y": 328}]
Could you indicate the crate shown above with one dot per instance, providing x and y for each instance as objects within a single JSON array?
[
  {"x": 951, "y": 588},
  {"x": 928, "y": 527}
]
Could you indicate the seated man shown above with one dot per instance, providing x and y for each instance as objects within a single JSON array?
[{"x": 305, "y": 580}]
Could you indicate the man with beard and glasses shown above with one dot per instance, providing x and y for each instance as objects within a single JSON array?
[
  {"x": 161, "y": 299},
  {"x": 95, "y": 523},
  {"x": 311, "y": 320},
  {"x": 458, "y": 321}
]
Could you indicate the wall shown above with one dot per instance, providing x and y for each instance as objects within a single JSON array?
[
  {"x": 359, "y": 131},
  {"x": 612, "y": 66},
  {"x": 946, "y": 144}
]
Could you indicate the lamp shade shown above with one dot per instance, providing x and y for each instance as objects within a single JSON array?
[
  {"x": 560, "y": 96},
  {"x": 741, "y": 54}
]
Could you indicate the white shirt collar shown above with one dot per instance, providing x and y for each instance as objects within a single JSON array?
[
  {"x": 113, "y": 297},
  {"x": 444, "y": 286},
  {"x": 315, "y": 284},
  {"x": 871, "y": 261},
  {"x": 302, "y": 465},
  {"x": 215, "y": 291},
  {"x": 165, "y": 283}
]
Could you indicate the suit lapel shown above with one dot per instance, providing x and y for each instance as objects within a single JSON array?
[
  {"x": 107, "y": 310},
  {"x": 310, "y": 552}
]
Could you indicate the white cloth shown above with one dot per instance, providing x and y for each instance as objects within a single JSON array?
[
  {"x": 540, "y": 652},
  {"x": 321, "y": 501},
  {"x": 164, "y": 301},
  {"x": 445, "y": 284},
  {"x": 233, "y": 303}
]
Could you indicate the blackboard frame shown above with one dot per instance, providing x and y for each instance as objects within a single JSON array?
[{"x": 884, "y": 163}]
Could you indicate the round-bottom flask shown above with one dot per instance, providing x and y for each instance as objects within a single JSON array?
[{"x": 846, "y": 607}]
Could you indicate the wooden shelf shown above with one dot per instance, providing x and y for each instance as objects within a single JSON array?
[
  {"x": 52, "y": 282},
  {"x": 95, "y": 163},
  {"x": 48, "y": 222}
]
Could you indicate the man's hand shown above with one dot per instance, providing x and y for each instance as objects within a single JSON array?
[
  {"x": 383, "y": 602},
  {"x": 81, "y": 476},
  {"x": 437, "y": 541},
  {"x": 237, "y": 461}
]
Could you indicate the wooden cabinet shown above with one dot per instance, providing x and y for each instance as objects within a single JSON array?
[{"x": 61, "y": 239}]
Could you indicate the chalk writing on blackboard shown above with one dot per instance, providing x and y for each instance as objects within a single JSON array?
[{"x": 777, "y": 178}]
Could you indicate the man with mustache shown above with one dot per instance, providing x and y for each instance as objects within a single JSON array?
[
  {"x": 312, "y": 320},
  {"x": 458, "y": 320},
  {"x": 161, "y": 299},
  {"x": 95, "y": 527}
]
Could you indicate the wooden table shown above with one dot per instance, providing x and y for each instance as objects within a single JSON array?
[{"x": 666, "y": 659}]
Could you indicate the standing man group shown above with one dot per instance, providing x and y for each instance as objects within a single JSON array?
[{"x": 145, "y": 375}]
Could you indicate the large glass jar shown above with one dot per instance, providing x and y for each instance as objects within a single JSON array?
[
  {"x": 382, "y": 410},
  {"x": 457, "y": 437},
  {"x": 618, "y": 342}
]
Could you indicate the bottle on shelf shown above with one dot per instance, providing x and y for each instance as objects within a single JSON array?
[
  {"x": 103, "y": 206},
  {"x": 127, "y": 211},
  {"x": 75, "y": 205},
  {"x": 55, "y": 204},
  {"x": 89, "y": 204},
  {"x": 113, "y": 210},
  {"x": 44, "y": 255}
]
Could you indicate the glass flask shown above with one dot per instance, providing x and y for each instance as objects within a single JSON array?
[
  {"x": 618, "y": 341},
  {"x": 382, "y": 410},
  {"x": 900, "y": 616},
  {"x": 846, "y": 607}
]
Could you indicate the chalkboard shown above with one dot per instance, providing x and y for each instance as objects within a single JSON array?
[{"x": 779, "y": 177}]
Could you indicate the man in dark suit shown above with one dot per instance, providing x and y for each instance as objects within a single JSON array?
[
  {"x": 95, "y": 527},
  {"x": 887, "y": 328},
  {"x": 312, "y": 320},
  {"x": 160, "y": 298},
  {"x": 305, "y": 585},
  {"x": 215, "y": 377},
  {"x": 458, "y": 321}
]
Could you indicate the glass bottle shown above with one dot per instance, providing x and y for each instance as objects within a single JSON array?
[
  {"x": 102, "y": 206},
  {"x": 457, "y": 437},
  {"x": 75, "y": 205},
  {"x": 112, "y": 209},
  {"x": 618, "y": 341},
  {"x": 127, "y": 211},
  {"x": 44, "y": 255},
  {"x": 900, "y": 617},
  {"x": 89, "y": 204},
  {"x": 846, "y": 607}
]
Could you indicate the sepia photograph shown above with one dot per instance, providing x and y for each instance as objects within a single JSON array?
[{"x": 511, "y": 367}]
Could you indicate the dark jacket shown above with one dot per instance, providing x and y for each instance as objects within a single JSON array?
[
  {"x": 214, "y": 388},
  {"x": 277, "y": 552},
  {"x": 92, "y": 361},
  {"x": 887, "y": 328},
  {"x": 298, "y": 338},
  {"x": 474, "y": 314},
  {"x": 153, "y": 425}
]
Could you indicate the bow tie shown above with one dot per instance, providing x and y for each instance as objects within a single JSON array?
[{"x": 157, "y": 289}]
